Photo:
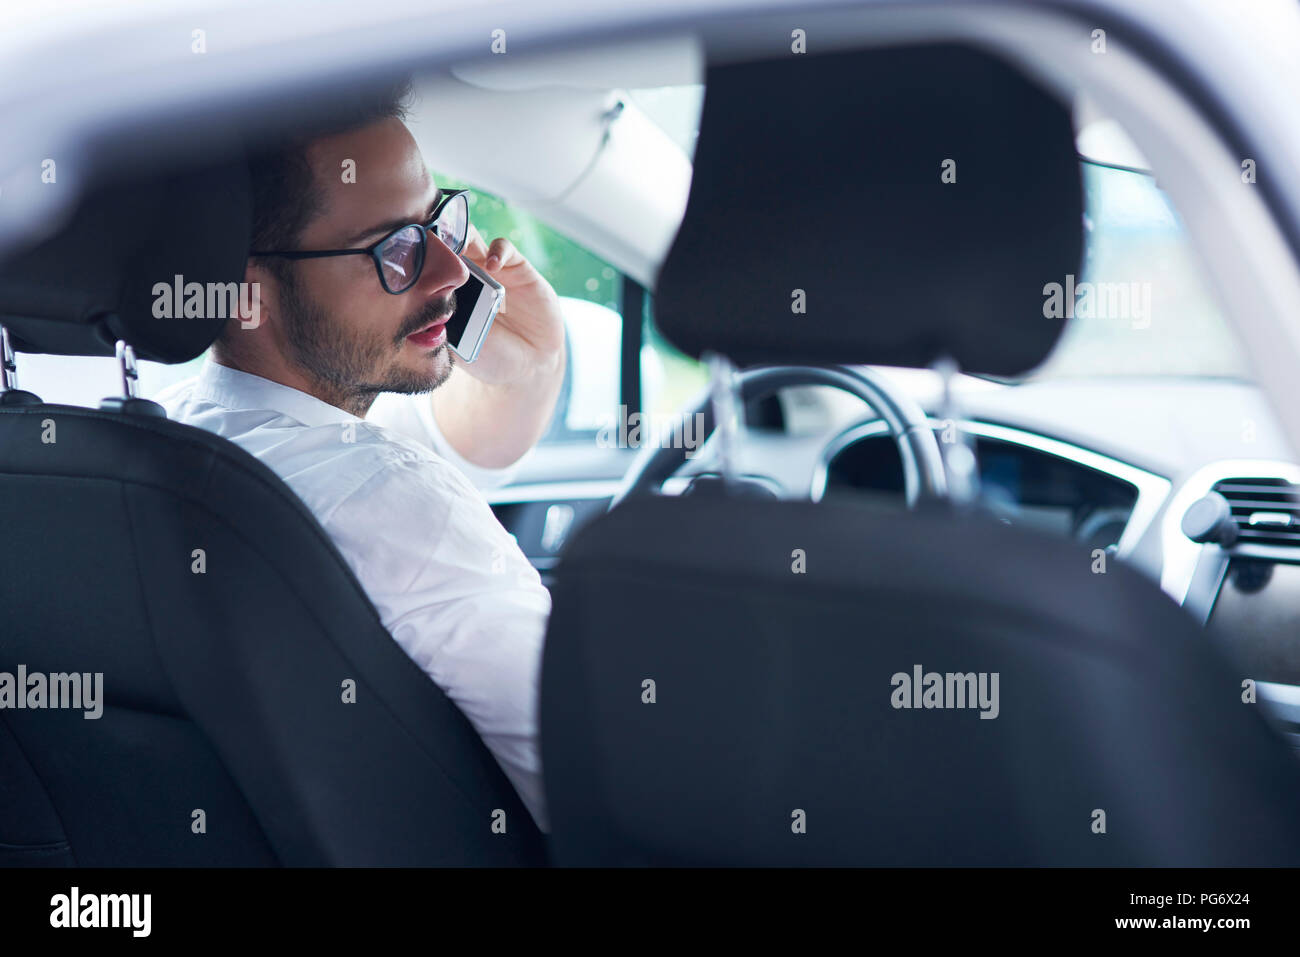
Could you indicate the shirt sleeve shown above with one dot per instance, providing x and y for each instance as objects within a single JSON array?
[
  {"x": 457, "y": 594},
  {"x": 412, "y": 416}
]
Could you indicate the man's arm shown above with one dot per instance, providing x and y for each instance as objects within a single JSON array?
[
  {"x": 412, "y": 417},
  {"x": 495, "y": 409}
]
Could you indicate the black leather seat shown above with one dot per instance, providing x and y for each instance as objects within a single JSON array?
[
  {"x": 774, "y": 704},
  {"x": 223, "y": 689}
]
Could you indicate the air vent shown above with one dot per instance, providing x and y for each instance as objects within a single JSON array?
[{"x": 1266, "y": 510}]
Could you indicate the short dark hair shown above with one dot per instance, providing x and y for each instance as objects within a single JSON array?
[{"x": 285, "y": 196}]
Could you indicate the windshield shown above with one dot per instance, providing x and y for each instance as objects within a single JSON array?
[{"x": 1140, "y": 305}]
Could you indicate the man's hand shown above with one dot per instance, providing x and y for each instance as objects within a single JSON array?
[{"x": 495, "y": 409}]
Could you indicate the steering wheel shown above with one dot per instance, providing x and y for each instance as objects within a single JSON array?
[{"x": 923, "y": 466}]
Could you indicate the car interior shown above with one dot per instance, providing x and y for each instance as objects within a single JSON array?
[{"x": 867, "y": 445}]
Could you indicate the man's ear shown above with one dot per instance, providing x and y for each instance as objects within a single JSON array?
[{"x": 253, "y": 296}]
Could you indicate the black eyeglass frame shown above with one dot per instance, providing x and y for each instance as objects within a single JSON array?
[{"x": 373, "y": 249}]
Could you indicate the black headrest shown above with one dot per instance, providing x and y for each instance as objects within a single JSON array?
[
  {"x": 93, "y": 281},
  {"x": 825, "y": 174}
]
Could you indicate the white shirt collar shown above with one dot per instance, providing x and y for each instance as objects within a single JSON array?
[{"x": 233, "y": 389}]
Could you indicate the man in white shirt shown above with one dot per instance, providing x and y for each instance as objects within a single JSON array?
[{"x": 392, "y": 481}]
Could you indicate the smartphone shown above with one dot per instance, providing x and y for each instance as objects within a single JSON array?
[{"x": 477, "y": 304}]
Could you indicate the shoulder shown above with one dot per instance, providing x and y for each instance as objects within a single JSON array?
[
  {"x": 418, "y": 522},
  {"x": 173, "y": 397}
]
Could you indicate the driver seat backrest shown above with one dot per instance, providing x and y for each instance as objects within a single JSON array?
[
  {"x": 774, "y": 693},
  {"x": 733, "y": 681},
  {"x": 227, "y": 627}
]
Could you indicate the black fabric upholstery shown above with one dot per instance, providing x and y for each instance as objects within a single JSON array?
[
  {"x": 224, "y": 689},
  {"x": 774, "y": 694},
  {"x": 91, "y": 283},
  {"x": 822, "y": 173},
  {"x": 19, "y": 397}
]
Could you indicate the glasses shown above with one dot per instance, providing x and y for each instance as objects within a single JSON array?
[{"x": 399, "y": 256}]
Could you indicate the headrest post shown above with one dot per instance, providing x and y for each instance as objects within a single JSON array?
[
  {"x": 10, "y": 394},
  {"x": 9, "y": 380},
  {"x": 126, "y": 360},
  {"x": 726, "y": 403},
  {"x": 955, "y": 444}
]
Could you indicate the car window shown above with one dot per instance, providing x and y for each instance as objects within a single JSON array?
[
  {"x": 591, "y": 297},
  {"x": 85, "y": 380},
  {"x": 669, "y": 377},
  {"x": 1140, "y": 305}
]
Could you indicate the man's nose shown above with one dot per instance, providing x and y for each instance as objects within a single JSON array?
[{"x": 444, "y": 271}]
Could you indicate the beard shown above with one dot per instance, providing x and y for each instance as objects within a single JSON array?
[{"x": 347, "y": 364}]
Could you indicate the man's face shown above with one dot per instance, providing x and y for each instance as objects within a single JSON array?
[{"x": 337, "y": 325}]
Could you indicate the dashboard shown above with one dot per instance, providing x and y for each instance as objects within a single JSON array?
[
  {"x": 1019, "y": 483},
  {"x": 1114, "y": 465},
  {"x": 1255, "y": 616}
]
